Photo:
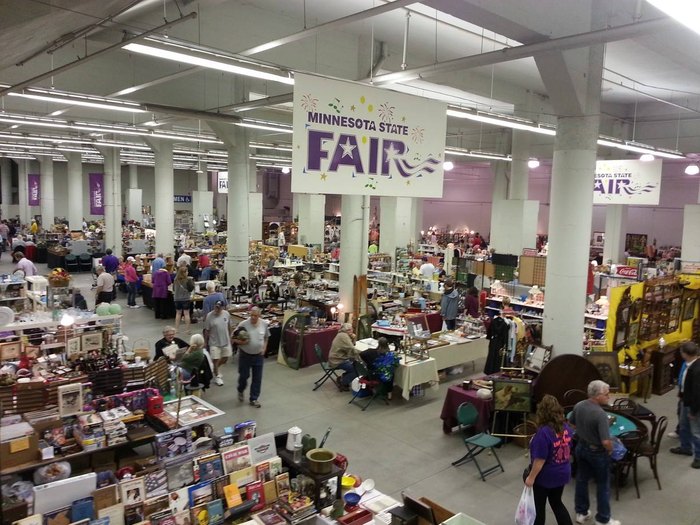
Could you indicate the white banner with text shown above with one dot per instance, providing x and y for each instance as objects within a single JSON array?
[
  {"x": 360, "y": 140},
  {"x": 627, "y": 182}
]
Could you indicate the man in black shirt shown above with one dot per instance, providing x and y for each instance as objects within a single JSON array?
[{"x": 168, "y": 339}]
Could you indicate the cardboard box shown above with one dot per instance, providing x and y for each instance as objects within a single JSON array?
[{"x": 19, "y": 451}]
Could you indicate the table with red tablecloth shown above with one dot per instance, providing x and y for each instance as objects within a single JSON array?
[
  {"x": 456, "y": 395},
  {"x": 322, "y": 337}
]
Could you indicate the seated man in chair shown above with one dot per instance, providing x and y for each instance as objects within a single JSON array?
[{"x": 343, "y": 355}]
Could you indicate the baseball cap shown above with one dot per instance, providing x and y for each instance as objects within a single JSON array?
[
  {"x": 130, "y": 259},
  {"x": 220, "y": 304}
]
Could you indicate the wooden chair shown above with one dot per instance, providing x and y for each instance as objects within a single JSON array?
[
  {"x": 467, "y": 416},
  {"x": 573, "y": 396},
  {"x": 628, "y": 407},
  {"x": 620, "y": 469},
  {"x": 329, "y": 372},
  {"x": 650, "y": 449}
]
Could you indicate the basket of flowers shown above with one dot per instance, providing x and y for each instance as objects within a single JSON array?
[{"x": 59, "y": 278}]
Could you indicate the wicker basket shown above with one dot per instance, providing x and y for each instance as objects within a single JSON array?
[{"x": 58, "y": 282}]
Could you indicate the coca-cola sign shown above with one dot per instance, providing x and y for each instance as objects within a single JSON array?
[{"x": 627, "y": 271}]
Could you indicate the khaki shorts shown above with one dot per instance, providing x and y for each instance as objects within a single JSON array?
[{"x": 217, "y": 352}]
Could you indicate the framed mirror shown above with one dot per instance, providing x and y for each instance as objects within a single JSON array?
[
  {"x": 536, "y": 357},
  {"x": 622, "y": 320}
]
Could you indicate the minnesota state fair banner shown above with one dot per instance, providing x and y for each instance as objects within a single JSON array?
[
  {"x": 627, "y": 182},
  {"x": 356, "y": 139},
  {"x": 33, "y": 189},
  {"x": 96, "y": 184}
]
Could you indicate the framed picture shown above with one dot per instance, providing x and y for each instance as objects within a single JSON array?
[
  {"x": 70, "y": 399},
  {"x": 512, "y": 395},
  {"x": 633, "y": 334},
  {"x": 91, "y": 341},
  {"x": 193, "y": 410},
  {"x": 636, "y": 244},
  {"x": 689, "y": 308},
  {"x": 537, "y": 357},
  {"x": 73, "y": 348},
  {"x": 10, "y": 351},
  {"x": 608, "y": 367},
  {"x": 133, "y": 491},
  {"x": 598, "y": 239}
]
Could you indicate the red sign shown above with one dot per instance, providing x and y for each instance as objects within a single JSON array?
[{"x": 630, "y": 272}]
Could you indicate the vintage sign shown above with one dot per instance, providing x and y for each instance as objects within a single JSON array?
[
  {"x": 33, "y": 189},
  {"x": 630, "y": 272},
  {"x": 627, "y": 182},
  {"x": 355, "y": 139},
  {"x": 96, "y": 188},
  {"x": 222, "y": 182}
]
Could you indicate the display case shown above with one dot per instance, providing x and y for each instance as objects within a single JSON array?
[
  {"x": 665, "y": 360},
  {"x": 13, "y": 295}
]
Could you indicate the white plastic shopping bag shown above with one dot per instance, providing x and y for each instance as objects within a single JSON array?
[{"x": 525, "y": 513}]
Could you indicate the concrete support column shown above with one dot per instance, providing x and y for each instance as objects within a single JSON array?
[
  {"x": 416, "y": 223},
  {"x": 23, "y": 190},
  {"x": 690, "y": 244},
  {"x": 499, "y": 193},
  {"x": 165, "y": 190},
  {"x": 255, "y": 200},
  {"x": 364, "y": 254},
  {"x": 519, "y": 170},
  {"x": 351, "y": 241},
  {"x": 237, "y": 213},
  {"x": 48, "y": 212},
  {"x": 615, "y": 231},
  {"x": 312, "y": 209},
  {"x": 296, "y": 205},
  {"x": 112, "y": 198},
  {"x": 133, "y": 176},
  {"x": 387, "y": 225},
  {"x": 5, "y": 187},
  {"x": 571, "y": 211},
  {"x": 203, "y": 177},
  {"x": 75, "y": 190},
  {"x": 134, "y": 199}
]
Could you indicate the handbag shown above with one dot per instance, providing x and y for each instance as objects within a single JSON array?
[
  {"x": 619, "y": 449},
  {"x": 526, "y": 513},
  {"x": 526, "y": 472}
]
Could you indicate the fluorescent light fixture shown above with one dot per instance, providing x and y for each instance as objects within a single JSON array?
[
  {"x": 637, "y": 147},
  {"x": 187, "y": 54},
  {"x": 75, "y": 99},
  {"x": 692, "y": 169},
  {"x": 476, "y": 154},
  {"x": 504, "y": 121},
  {"x": 279, "y": 147},
  {"x": 268, "y": 126},
  {"x": 533, "y": 163},
  {"x": 685, "y": 12},
  {"x": 270, "y": 159},
  {"x": 646, "y": 157}
]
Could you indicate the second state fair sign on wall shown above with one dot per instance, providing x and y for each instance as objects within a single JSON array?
[{"x": 359, "y": 140}]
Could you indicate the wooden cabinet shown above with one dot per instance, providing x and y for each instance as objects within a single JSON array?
[{"x": 665, "y": 362}]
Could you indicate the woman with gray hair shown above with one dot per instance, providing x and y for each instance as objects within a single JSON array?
[{"x": 343, "y": 355}]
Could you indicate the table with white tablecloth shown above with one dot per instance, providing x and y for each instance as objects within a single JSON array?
[
  {"x": 459, "y": 353},
  {"x": 415, "y": 372}
]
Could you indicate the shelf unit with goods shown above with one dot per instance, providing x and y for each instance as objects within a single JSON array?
[{"x": 13, "y": 294}]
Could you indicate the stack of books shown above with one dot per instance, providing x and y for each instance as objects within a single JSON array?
[
  {"x": 89, "y": 432},
  {"x": 295, "y": 508},
  {"x": 114, "y": 428}
]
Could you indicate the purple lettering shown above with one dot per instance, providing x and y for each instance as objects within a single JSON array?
[
  {"x": 316, "y": 151},
  {"x": 346, "y": 154}
]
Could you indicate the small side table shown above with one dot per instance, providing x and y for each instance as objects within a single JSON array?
[{"x": 642, "y": 375}]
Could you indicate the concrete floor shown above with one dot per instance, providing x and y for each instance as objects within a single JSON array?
[{"x": 402, "y": 446}]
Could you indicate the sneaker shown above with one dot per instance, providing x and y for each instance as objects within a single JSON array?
[
  {"x": 673, "y": 435},
  {"x": 580, "y": 518},
  {"x": 695, "y": 463},
  {"x": 240, "y": 396},
  {"x": 681, "y": 451},
  {"x": 219, "y": 381},
  {"x": 255, "y": 403},
  {"x": 609, "y": 522}
]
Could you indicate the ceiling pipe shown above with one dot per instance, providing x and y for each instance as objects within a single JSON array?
[
  {"x": 67, "y": 38},
  {"x": 80, "y": 61},
  {"x": 362, "y": 15},
  {"x": 578, "y": 40},
  {"x": 405, "y": 40}
]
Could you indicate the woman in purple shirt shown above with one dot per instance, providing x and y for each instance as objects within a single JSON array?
[
  {"x": 160, "y": 281},
  {"x": 550, "y": 449}
]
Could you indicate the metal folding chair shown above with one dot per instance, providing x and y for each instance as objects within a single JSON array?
[
  {"x": 329, "y": 372},
  {"x": 466, "y": 417}
]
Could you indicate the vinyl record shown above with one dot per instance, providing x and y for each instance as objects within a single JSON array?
[{"x": 7, "y": 315}]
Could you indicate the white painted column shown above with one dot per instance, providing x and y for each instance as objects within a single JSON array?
[
  {"x": 75, "y": 190},
  {"x": 312, "y": 209},
  {"x": 571, "y": 211},
  {"x": 112, "y": 199},
  {"x": 203, "y": 178},
  {"x": 364, "y": 254},
  {"x": 387, "y": 226},
  {"x": 690, "y": 244},
  {"x": 351, "y": 239},
  {"x": 416, "y": 220},
  {"x": 237, "y": 213},
  {"x": 165, "y": 190},
  {"x": 23, "y": 190},
  {"x": 519, "y": 170},
  {"x": 295, "y": 206},
  {"x": 499, "y": 193},
  {"x": 202, "y": 200},
  {"x": 255, "y": 200},
  {"x": 134, "y": 196},
  {"x": 5, "y": 187},
  {"x": 615, "y": 231}
]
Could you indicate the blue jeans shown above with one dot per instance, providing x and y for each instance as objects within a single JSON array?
[
  {"x": 246, "y": 364},
  {"x": 131, "y": 294},
  {"x": 592, "y": 464},
  {"x": 689, "y": 431},
  {"x": 350, "y": 373}
]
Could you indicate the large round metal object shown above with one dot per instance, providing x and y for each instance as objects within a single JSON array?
[{"x": 564, "y": 372}]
